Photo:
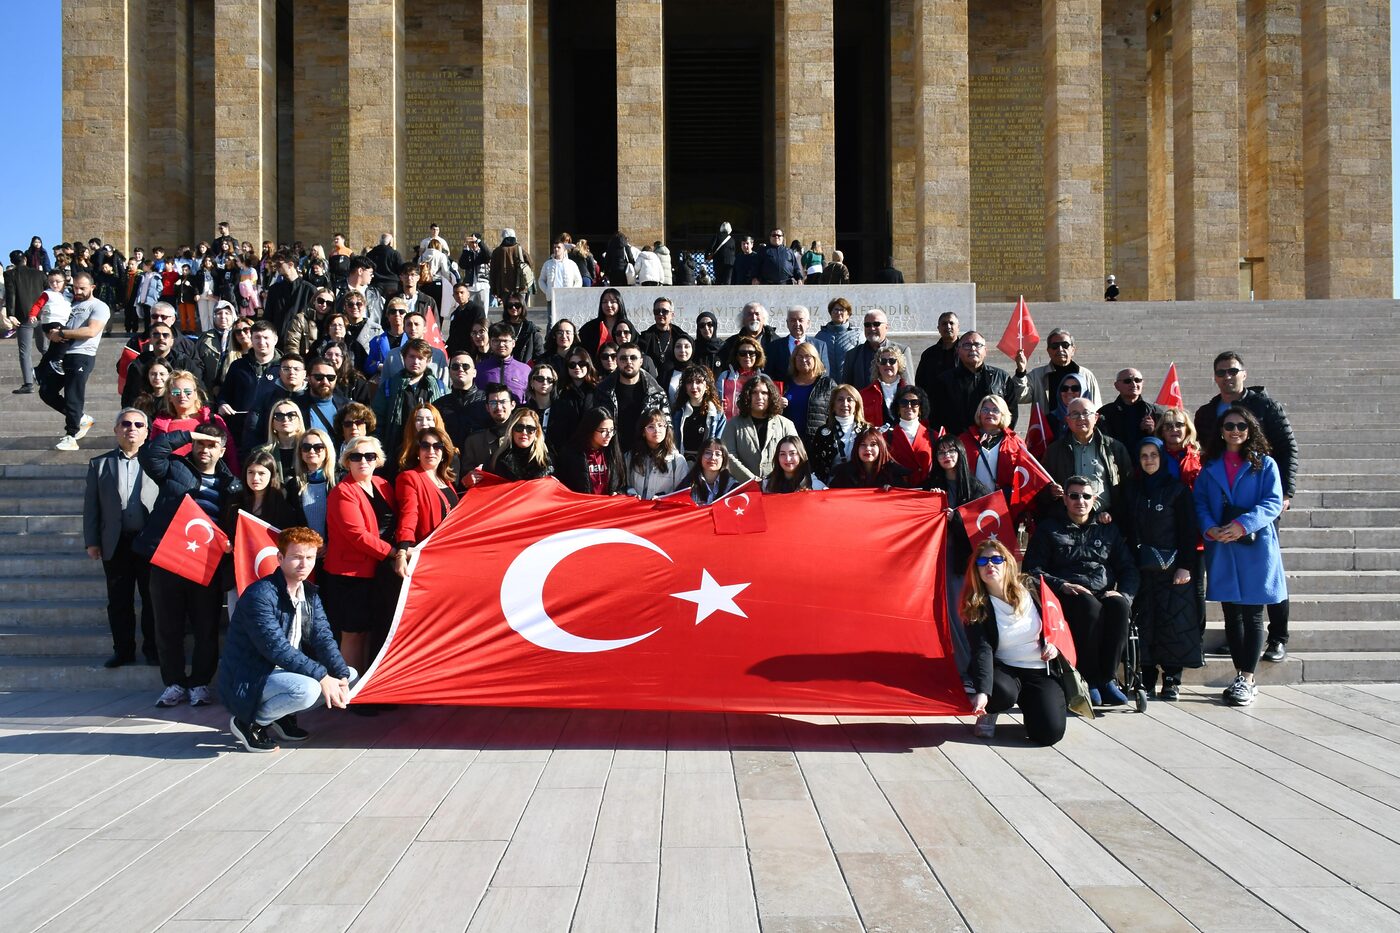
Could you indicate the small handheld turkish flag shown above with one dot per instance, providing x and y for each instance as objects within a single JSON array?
[
  {"x": 740, "y": 511},
  {"x": 193, "y": 545},
  {"x": 1038, "y": 432},
  {"x": 1028, "y": 478},
  {"x": 434, "y": 333},
  {"x": 254, "y": 550},
  {"x": 986, "y": 518},
  {"x": 1170, "y": 394},
  {"x": 123, "y": 365},
  {"x": 1020, "y": 332},
  {"x": 1053, "y": 625}
]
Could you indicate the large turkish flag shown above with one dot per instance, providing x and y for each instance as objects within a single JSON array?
[
  {"x": 254, "y": 550},
  {"x": 532, "y": 595}
]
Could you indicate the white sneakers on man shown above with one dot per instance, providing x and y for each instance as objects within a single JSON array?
[{"x": 67, "y": 442}]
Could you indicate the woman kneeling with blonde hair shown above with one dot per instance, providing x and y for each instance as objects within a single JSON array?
[{"x": 1010, "y": 656}]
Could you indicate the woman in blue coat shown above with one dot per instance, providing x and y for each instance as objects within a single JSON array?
[{"x": 1238, "y": 497}]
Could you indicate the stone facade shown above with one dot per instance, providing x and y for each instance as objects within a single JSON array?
[{"x": 1033, "y": 146}]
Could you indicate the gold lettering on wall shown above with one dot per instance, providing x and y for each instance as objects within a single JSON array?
[
  {"x": 1007, "y": 110},
  {"x": 444, "y": 151}
]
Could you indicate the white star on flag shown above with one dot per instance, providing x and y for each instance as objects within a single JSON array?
[
  {"x": 192, "y": 546},
  {"x": 712, "y": 598}
]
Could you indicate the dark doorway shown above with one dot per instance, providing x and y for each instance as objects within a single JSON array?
[
  {"x": 582, "y": 120},
  {"x": 862, "y": 136},
  {"x": 719, "y": 105}
]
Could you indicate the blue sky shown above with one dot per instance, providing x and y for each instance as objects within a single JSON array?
[{"x": 30, "y": 197}]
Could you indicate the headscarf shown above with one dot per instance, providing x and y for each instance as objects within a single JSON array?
[
  {"x": 1157, "y": 483},
  {"x": 707, "y": 348}
]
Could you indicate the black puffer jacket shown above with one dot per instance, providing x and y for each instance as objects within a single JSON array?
[
  {"x": 176, "y": 477},
  {"x": 1093, "y": 555},
  {"x": 1170, "y": 616},
  {"x": 1277, "y": 430}
]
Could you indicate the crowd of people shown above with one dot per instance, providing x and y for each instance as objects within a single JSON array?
[{"x": 355, "y": 399}]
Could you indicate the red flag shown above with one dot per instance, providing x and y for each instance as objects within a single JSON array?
[
  {"x": 987, "y": 518},
  {"x": 1027, "y": 480},
  {"x": 740, "y": 511},
  {"x": 193, "y": 545},
  {"x": 254, "y": 550},
  {"x": 434, "y": 333},
  {"x": 531, "y": 595},
  {"x": 1020, "y": 332},
  {"x": 123, "y": 365},
  {"x": 1038, "y": 432},
  {"x": 1169, "y": 396},
  {"x": 1053, "y": 625}
]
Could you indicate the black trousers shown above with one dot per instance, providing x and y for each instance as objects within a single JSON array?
[
  {"x": 1244, "y": 632},
  {"x": 182, "y": 604},
  {"x": 68, "y": 393},
  {"x": 128, "y": 574},
  {"x": 1040, "y": 695},
  {"x": 1278, "y": 612},
  {"x": 1100, "y": 629}
]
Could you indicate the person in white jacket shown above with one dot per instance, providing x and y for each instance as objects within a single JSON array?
[
  {"x": 558, "y": 271},
  {"x": 649, "y": 268}
]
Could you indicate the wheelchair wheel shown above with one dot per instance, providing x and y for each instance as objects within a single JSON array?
[{"x": 1140, "y": 698}]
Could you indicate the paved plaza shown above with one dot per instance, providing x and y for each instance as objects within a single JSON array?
[{"x": 115, "y": 816}]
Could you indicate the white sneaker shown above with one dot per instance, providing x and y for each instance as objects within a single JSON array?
[
  {"x": 1241, "y": 692},
  {"x": 200, "y": 696},
  {"x": 67, "y": 442},
  {"x": 174, "y": 695},
  {"x": 985, "y": 727},
  {"x": 84, "y": 426}
]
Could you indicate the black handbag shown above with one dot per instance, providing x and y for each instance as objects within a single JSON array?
[{"x": 1231, "y": 512}]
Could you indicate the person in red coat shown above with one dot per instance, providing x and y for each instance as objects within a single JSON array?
[
  {"x": 425, "y": 489},
  {"x": 890, "y": 375},
  {"x": 994, "y": 450},
  {"x": 361, "y": 586},
  {"x": 1178, "y": 434},
  {"x": 909, "y": 441}
]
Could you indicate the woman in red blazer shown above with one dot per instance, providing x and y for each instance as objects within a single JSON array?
[
  {"x": 994, "y": 450},
  {"x": 361, "y": 587},
  {"x": 890, "y": 375},
  {"x": 425, "y": 489},
  {"x": 910, "y": 445}
]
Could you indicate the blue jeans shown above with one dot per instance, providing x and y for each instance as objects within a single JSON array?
[{"x": 287, "y": 693}]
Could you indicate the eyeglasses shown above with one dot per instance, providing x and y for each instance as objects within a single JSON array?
[
  {"x": 608, "y": 431},
  {"x": 525, "y": 429},
  {"x": 460, "y": 367},
  {"x": 1080, "y": 496},
  {"x": 995, "y": 560},
  {"x": 179, "y": 393},
  {"x": 974, "y": 346},
  {"x": 323, "y": 377},
  {"x": 889, "y": 361},
  {"x": 1235, "y": 426},
  {"x": 497, "y": 402},
  {"x": 312, "y": 448},
  {"x": 544, "y": 380},
  {"x": 1060, "y": 344},
  {"x": 1231, "y": 373},
  {"x": 138, "y": 425},
  {"x": 286, "y": 416},
  {"x": 431, "y": 445},
  {"x": 367, "y": 456},
  {"x": 1080, "y": 415},
  {"x": 1133, "y": 379},
  {"x": 712, "y": 452}
]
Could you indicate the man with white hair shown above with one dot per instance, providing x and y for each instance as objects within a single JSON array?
[
  {"x": 860, "y": 362},
  {"x": 753, "y": 322},
  {"x": 779, "y": 350}
]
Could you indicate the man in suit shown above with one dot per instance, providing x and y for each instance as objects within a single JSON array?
[
  {"x": 779, "y": 349},
  {"x": 23, "y": 286},
  {"x": 117, "y": 502}
]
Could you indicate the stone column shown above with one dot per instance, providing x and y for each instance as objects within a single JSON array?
[
  {"x": 245, "y": 118},
  {"x": 903, "y": 224},
  {"x": 1274, "y": 94},
  {"x": 1346, "y": 148},
  {"x": 168, "y": 171},
  {"x": 806, "y": 111},
  {"x": 641, "y": 124},
  {"x": 375, "y": 142},
  {"x": 507, "y": 158},
  {"x": 942, "y": 162},
  {"x": 1161, "y": 224},
  {"x": 96, "y": 169},
  {"x": 1072, "y": 47},
  {"x": 1125, "y": 148},
  {"x": 321, "y": 119},
  {"x": 1205, "y": 78}
]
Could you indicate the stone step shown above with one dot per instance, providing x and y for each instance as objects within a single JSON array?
[
  {"x": 44, "y": 471},
  {"x": 41, "y": 524},
  {"x": 1333, "y": 452},
  {"x": 19, "y": 545},
  {"x": 60, "y": 609},
  {"x": 1342, "y": 558},
  {"x": 47, "y": 504},
  {"x": 1292, "y": 537},
  {"x": 1344, "y": 607},
  {"x": 60, "y": 674},
  {"x": 48, "y": 486},
  {"x": 55, "y": 567},
  {"x": 74, "y": 643},
  {"x": 1348, "y": 499},
  {"x": 1329, "y": 582},
  {"x": 41, "y": 588},
  {"x": 1343, "y": 518},
  {"x": 1314, "y": 481}
]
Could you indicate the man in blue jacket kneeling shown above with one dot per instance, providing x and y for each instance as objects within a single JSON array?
[{"x": 280, "y": 657}]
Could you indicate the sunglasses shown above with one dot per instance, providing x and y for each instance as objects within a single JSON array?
[
  {"x": 889, "y": 361},
  {"x": 525, "y": 429},
  {"x": 243, "y": 330},
  {"x": 608, "y": 356},
  {"x": 312, "y": 448},
  {"x": 1060, "y": 344},
  {"x": 546, "y": 380},
  {"x": 908, "y": 403},
  {"x": 286, "y": 416},
  {"x": 431, "y": 445},
  {"x": 367, "y": 456},
  {"x": 1231, "y": 372},
  {"x": 577, "y": 364},
  {"x": 138, "y": 425},
  {"x": 323, "y": 377},
  {"x": 322, "y": 301},
  {"x": 1235, "y": 425},
  {"x": 1080, "y": 496},
  {"x": 1133, "y": 379},
  {"x": 178, "y": 393},
  {"x": 874, "y": 324},
  {"x": 515, "y": 305},
  {"x": 994, "y": 559},
  {"x": 460, "y": 367},
  {"x": 355, "y": 423},
  {"x": 746, "y": 353},
  {"x": 1070, "y": 389}
]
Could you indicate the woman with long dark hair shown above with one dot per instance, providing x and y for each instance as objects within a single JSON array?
[
  {"x": 872, "y": 467},
  {"x": 591, "y": 462},
  {"x": 791, "y": 470},
  {"x": 752, "y": 436},
  {"x": 578, "y": 380},
  {"x": 654, "y": 466},
  {"x": 709, "y": 477},
  {"x": 611, "y": 310},
  {"x": 698, "y": 414},
  {"x": 1239, "y": 494}
]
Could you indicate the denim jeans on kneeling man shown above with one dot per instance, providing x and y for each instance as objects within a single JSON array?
[{"x": 287, "y": 693}]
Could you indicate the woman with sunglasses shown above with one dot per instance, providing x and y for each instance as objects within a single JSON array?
[
  {"x": 908, "y": 437},
  {"x": 591, "y": 461},
  {"x": 426, "y": 487},
  {"x": 354, "y": 420},
  {"x": 888, "y": 374},
  {"x": 1238, "y": 495},
  {"x": 314, "y": 479},
  {"x": 525, "y": 455},
  {"x": 541, "y": 391},
  {"x": 360, "y": 583},
  {"x": 951, "y": 475},
  {"x": 578, "y": 381},
  {"x": 1181, "y": 452},
  {"x": 607, "y": 360},
  {"x": 1070, "y": 388},
  {"x": 654, "y": 466},
  {"x": 1010, "y": 656},
  {"x": 749, "y": 360},
  {"x": 709, "y": 346},
  {"x": 184, "y": 408},
  {"x": 284, "y": 428}
]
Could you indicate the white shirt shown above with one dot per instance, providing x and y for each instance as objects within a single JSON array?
[{"x": 1018, "y": 635}]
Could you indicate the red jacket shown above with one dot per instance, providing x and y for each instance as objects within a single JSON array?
[
  {"x": 915, "y": 456},
  {"x": 421, "y": 506},
  {"x": 1011, "y": 453},
  {"x": 873, "y": 398},
  {"x": 353, "y": 546}
]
